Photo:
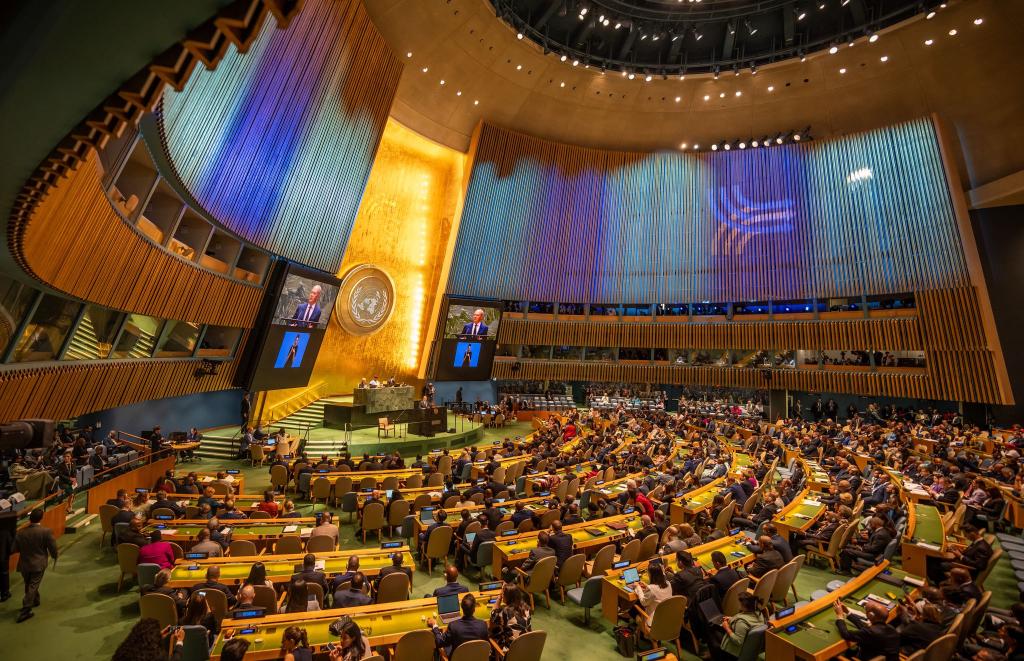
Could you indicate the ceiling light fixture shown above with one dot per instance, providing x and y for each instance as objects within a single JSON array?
[
  {"x": 979, "y": 21},
  {"x": 833, "y": 50},
  {"x": 929, "y": 42},
  {"x": 930, "y": 15},
  {"x": 884, "y": 58},
  {"x": 842, "y": 70},
  {"x": 409, "y": 54},
  {"x": 519, "y": 35},
  {"x": 714, "y": 147},
  {"x": 952, "y": 32},
  {"x": 751, "y": 30},
  {"x": 771, "y": 88},
  {"x": 727, "y": 146},
  {"x": 564, "y": 58},
  {"x": 425, "y": 69},
  {"x": 873, "y": 38}
]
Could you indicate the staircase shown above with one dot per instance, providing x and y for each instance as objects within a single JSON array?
[
  {"x": 220, "y": 443},
  {"x": 311, "y": 415},
  {"x": 84, "y": 343},
  {"x": 78, "y": 519}
]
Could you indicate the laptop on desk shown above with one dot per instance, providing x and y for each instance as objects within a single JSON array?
[{"x": 448, "y": 608}]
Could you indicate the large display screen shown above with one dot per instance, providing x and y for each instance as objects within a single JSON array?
[
  {"x": 470, "y": 336},
  {"x": 305, "y": 302},
  {"x": 298, "y": 321}
]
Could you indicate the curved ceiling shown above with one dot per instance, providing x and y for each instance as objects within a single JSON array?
[
  {"x": 463, "y": 65},
  {"x": 672, "y": 37}
]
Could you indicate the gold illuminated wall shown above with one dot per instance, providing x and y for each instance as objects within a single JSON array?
[{"x": 403, "y": 226}]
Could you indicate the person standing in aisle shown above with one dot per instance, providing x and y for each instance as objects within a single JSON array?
[{"x": 36, "y": 545}]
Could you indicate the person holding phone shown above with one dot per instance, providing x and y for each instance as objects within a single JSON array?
[{"x": 352, "y": 644}]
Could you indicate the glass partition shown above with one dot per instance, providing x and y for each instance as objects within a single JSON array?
[
  {"x": 44, "y": 335},
  {"x": 138, "y": 337},
  {"x": 15, "y": 299},
  {"x": 219, "y": 341},
  {"x": 95, "y": 334},
  {"x": 178, "y": 340}
]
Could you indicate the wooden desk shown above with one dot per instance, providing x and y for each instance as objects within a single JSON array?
[
  {"x": 244, "y": 502},
  {"x": 925, "y": 537},
  {"x": 203, "y": 479},
  {"x": 382, "y": 624},
  {"x": 280, "y": 568},
  {"x": 614, "y": 590},
  {"x": 817, "y": 638},
  {"x": 800, "y": 514},
  {"x": 688, "y": 506},
  {"x": 260, "y": 531},
  {"x": 516, "y": 548}
]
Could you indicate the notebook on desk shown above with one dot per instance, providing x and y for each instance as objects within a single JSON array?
[{"x": 616, "y": 525}]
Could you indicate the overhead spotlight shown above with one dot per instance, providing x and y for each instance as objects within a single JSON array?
[
  {"x": 801, "y": 14},
  {"x": 930, "y": 15},
  {"x": 683, "y": 146},
  {"x": 606, "y": 22},
  {"x": 519, "y": 35},
  {"x": 929, "y": 42},
  {"x": 631, "y": 76},
  {"x": 409, "y": 54},
  {"x": 648, "y": 79},
  {"x": 778, "y": 139},
  {"x": 682, "y": 76},
  {"x": 821, "y": 5},
  {"x": 851, "y": 44},
  {"x": 425, "y": 69},
  {"x": 442, "y": 81},
  {"x": 796, "y": 137},
  {"x": 753, "y": 143},
  {"x": 833, "y": 50},
  {"x": 771, "y": 88},
  {"x": 751, "y": 30},
  {"x": 717, "y": 72},
  {"x": 575, "y": 63},
  {"x": 743, "y": 145},
  {"x": 657, "y": 35},
  {"x": 584, "y": 10},
  {"x": 721, "y": 95},
  {"x": 884, "y": 58},
  {"x": 753, "y": 69},
  {"x": 678, "y": 99},
  {"x": 842, "y": 70},
  {"x": 732, "y": 28},
  {"x": 803, "y": 56},
  {"x": 561, "y": 84},
  {"x": 476, "y": 103},
  {"x": 714, "y": 147},
  {"x": 873, "y": 38},
  {"x": 564, "y": 58},
  {"x": 739, "y": 93},
  {"x": 624, "y": 72},
  {"x": 707, "y": 97},
  {"x": 952, "y": 32},
  {"x": 697, "y": 34},
  {"x": 600, "y": 19},
  {"x": 519, "y": 67},
  {"x": 643, "y": 36},
  {"x": 696, "y": 146},
  {"x": 727, "y": 146},
  {"x": 979, "y": 21},
  {"x": 674, "y": 35},
  {"x": 618, "y": 25}
]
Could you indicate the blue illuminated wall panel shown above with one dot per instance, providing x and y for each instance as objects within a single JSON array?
[
  {"x": 868, "y": 213},
  {"x": 277, "y": 143}
]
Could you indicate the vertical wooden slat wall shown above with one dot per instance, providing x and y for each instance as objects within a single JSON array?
[
  {"x": 277, "y": 143},
  {"x": 862, "y": 214},
  {"x": 75, "y": 242}
]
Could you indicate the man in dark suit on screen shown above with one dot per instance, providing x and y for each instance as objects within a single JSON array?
[
  {"x": 307, "y": 315},
  {"x": 477, "y": 327}
]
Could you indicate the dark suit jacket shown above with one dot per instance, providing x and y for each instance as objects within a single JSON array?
[
  {"x": 872, "y": 639},
  {"x": 536, "y": 555},
  {"x": 214, "y": 585},
  {"x": 312, "y": 576},
  {"x": 723, "y": 580},
  {"x": 877, "y": 542},
  {"x": 300, "y": 313},
  {"x": 450, "y": 588},
  {"x": 977, "y": 555},
  {"x": 393, "y": 570},
  {"x": 350, "y": 597},
  {"x": 686, "y": 581},
  {"x": 765, "y": 562},
  {"x": 485, "y": 535},
  {"x": 36, "y": 545},
  {"x": 562, "y": 545},
  {"x": 468, "y": 329},
  {"x": 461, "y": 631}
]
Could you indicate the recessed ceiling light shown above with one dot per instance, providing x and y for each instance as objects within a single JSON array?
[
  {"x": 696, "y": 146},
  {"x": 771, "y": 88},
  {"x": 739, "y": 93},
  {"x": 519, "y": 35},
  {"x": 519, "y": 67},
  {"x": 683, "y": 146},
  {"x": 930, "y": 15},
  {"x": 952, "y": 32},
  {"x": 459, "y": 93},
  {"x": 409, "y": 54},
  {"x": 562, "y": 84},
  {"x": 631, "y": 76},
  {"x": 728, "y": 146},
  {"x": 476, "y": 103},
  {"x": 754, "y": 143},
  {"x": 682, "y": 76},
  {"x": 873, "y": 38},
  {"x": 424, "y": 69},
  {"x": 714, "y": 147},
  {"x": 442, "y": 81},
  {"x": 648, "y": 79},
  {"x": 722, "y": 95},
  {"x": 743, "y": 145},
  {"x": 884, "y": 58},
  {"x": 979, "y": 21},
  {"x": 678, "y": 99},
  {"x": 778, "y": 140},
  {"x": 563, "y": 58},
  {"x": 929, "y": 42},
  {"x": 575, "y": 63},
  {"x": 843, "y": 70},
  {"x": 707, "y": 97},
  {"x": 833, "y": 50}
]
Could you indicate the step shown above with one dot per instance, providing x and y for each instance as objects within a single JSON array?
[{"x": 78, "y": 520}]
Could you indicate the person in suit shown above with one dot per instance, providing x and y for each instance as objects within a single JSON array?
[
  {"x": 560, "y": 542},
  {"x": 485, "y": 534},
  {"x": 724, "y": 577},
  {"x": 354, "y": 595},
  {"x": 451, "y": 585},
  {"x": 163, "y": 501},
  {"x": 974, "y": 556},
  {"x": 462, "y": 630},
  {"x": 310, "y": 573},
  {"x": 395, "y": 568},
  {"x": 36, "y": 545},
  {"x": 476, "y": 328},
  {"x": 873, "y": 636},
  {"x": 766, "y": 558},
  {"x": 878, "y": 539},
  {"x": 207, "y": 545},
  {"x": 307, "y": 314},
  {"x": 346, "y": 576},
  {"x": 959, "y": 587},
  {"x": 212, "y": 582},
  {"x": 688, "y": 579},
  {"x": 738, "y": 494}
]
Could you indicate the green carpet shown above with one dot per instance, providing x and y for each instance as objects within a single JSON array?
[{"x": 82, "y": 616}]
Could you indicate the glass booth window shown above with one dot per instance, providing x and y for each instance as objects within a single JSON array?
[
  {"x": 178, "y": 340},
  {"x": 138, "y": 337},
  {"x": 45, "y": 333},
  {"x": 219, "y": 341},
  {"x": 15, "y": 298},
  {"x": 94, "y": 337}
]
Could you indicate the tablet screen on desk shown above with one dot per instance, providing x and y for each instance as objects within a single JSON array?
[{"x": 631, "y": 576}]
